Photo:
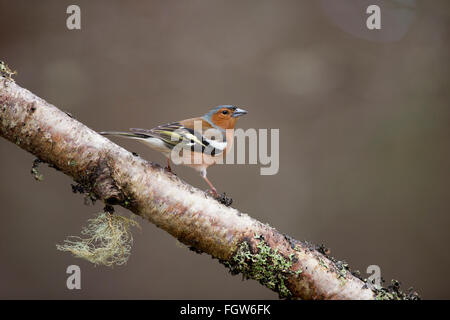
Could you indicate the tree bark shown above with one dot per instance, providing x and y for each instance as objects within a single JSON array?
[{"x": 292, "y": 268}]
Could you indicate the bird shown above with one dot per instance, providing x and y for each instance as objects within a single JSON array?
[{"x": 203, "y": 141}]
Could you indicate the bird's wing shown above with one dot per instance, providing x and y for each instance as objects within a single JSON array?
[
  {"x": 171, "y": 134},
  {"x": 176, "y": 133}
]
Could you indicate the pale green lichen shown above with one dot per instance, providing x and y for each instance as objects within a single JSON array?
[
  {"x": 37, "y": 175},
  {"x": 6, "y": 72},
  {"x": 393, "y": 292},
  {"x": 323, "y": 263},
  {"x": 107, "y": 240},
  {"x": 35, "y": 172},
  {"x": 127, "y": 202},
  {"x": 266, "y": 265}
]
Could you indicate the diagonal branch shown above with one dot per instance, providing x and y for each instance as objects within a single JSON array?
[{"x": 292, "y": 268}]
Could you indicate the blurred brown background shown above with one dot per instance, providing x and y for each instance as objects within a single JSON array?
[{"x": 363, "y": 118}]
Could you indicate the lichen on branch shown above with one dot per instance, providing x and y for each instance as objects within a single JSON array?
[
  {"x": 107, "y": 240},
  {"x": 5, "y": 71},
  {"x": 263, "y": 264}
]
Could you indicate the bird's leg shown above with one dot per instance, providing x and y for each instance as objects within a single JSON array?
[
  {"x": 168, "y": 168},
  {"x": 223, "y": 199},
  {"x": 214, "y": 191}
]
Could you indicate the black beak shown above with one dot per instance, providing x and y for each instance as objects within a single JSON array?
[{"x": 239, "y": 112}]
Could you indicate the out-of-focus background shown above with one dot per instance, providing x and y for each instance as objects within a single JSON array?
[{"x": 364, "y": 121}]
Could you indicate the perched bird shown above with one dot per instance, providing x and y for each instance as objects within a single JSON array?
[{"x": 202, "y": 141}]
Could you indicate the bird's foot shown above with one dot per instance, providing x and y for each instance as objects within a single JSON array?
[
  {"x": 169, "y": 170},
  {"x": 211, "y": 192}
]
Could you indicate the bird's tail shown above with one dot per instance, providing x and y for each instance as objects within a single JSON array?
[{"x": 132, "y": 135}]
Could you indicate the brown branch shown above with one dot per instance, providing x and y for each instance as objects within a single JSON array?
[{"x": 292, "y": 268}]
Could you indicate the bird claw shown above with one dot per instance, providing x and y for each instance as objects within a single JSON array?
[
  {"x": 169, "y": 170},
  {"x": 212, "y": 193}
]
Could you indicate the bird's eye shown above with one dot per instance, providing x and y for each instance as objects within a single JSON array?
[{"x": 225, "y": 112}]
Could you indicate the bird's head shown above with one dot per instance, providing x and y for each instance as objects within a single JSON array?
[{"x": 225, "y": 116}]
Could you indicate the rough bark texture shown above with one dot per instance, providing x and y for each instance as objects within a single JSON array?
[{"x": 292, "y": 268}]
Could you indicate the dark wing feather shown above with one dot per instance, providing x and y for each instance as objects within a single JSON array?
[
  {"x": 175, "y": 133},
  {"x": 168, "y": 133}
]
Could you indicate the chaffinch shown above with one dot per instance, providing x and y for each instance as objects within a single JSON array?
[{"x": 204, "y": 141}]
